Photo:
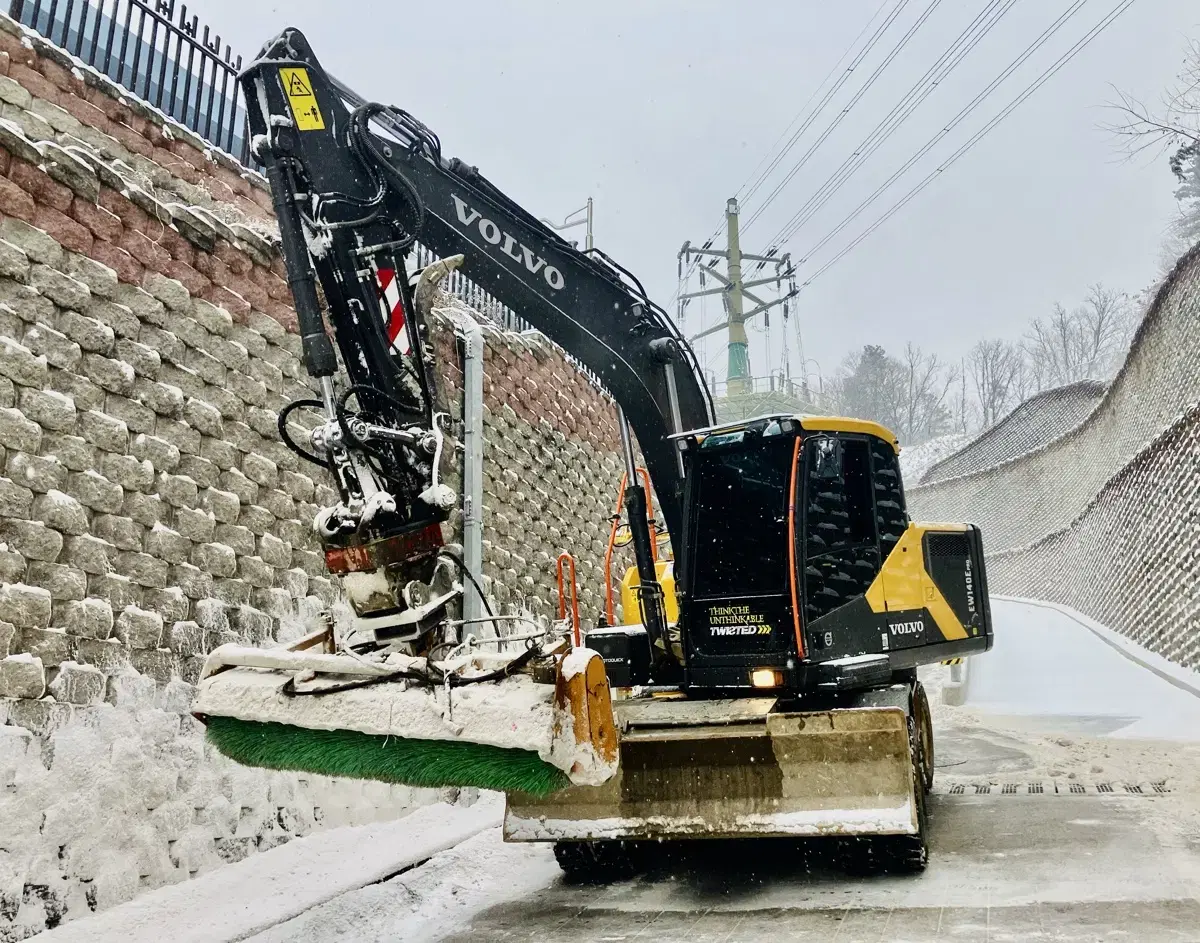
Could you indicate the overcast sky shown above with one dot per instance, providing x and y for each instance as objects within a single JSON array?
[{"x": 662, "y": 109}]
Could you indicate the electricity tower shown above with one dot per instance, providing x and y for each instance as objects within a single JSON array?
[{"x": 735, "y": 291}]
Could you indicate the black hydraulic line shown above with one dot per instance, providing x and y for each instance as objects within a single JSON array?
[
  {"x": 369, "y": 151},
  {"x": 319, "y": 358},
  {"x": 286, "y": 436},
  {"x": 649, "y": 591},
  {"x": 454, "y": 557}
]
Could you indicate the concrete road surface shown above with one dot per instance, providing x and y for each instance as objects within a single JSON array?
[{"x": 1011, "y": 868}]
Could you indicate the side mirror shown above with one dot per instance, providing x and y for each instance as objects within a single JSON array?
[{"x": 827, "y": 458}]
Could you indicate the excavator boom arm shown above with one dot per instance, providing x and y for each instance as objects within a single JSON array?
[{"x": 356, "y": 185}]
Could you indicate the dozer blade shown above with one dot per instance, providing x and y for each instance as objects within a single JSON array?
[
  {"x": 738, "y": 771},
  {"x": 263, "y": 708}
]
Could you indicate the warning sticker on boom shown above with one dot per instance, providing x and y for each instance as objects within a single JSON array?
[{"x": 298, "y": 88}]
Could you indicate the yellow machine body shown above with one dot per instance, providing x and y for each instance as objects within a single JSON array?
[{"x": 665, "y": 570}]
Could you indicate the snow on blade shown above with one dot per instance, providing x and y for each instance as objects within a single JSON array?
[
  {"x": 576, "y": 662},
  {"x": 895, "y": 820},
  {"x": 517, "y": 713}
]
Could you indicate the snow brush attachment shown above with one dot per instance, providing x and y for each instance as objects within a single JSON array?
[{"x": 341, "y": 714}]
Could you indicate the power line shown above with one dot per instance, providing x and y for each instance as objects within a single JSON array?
[
  {"x": 962, "y": 115},
  {"x": 841, "y": 116},
  {"x": 1116, "y": 12},
  {"x": 808, "y": 122},
  {"x": 828, "y": 75},
  {"x": 842, "y": 80},
  {"x": 958, "y": 51}
]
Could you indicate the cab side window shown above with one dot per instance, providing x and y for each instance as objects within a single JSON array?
[
  {"x": 840, "y": 541},
  {"x": 890, "y": 516}
]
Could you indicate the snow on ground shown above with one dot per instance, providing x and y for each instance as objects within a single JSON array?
[
  {"x": 429, "y": 901},
  {"x": 1059, "y": 703},
  {"x": 1052, "y": 701},
  {"x": 1046, "y": 663},
  {"x": 915, "y": 460},
  {"x": 239, "y": 900}
]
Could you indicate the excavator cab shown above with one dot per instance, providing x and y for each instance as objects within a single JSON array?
[
  {"x": 806, "y": 598},
  {"x": 801, "y": 570}
]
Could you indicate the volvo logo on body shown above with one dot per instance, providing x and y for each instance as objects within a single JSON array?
[
  {"x": 491, "y": 233},
  {"x": 907, "y": 628}
]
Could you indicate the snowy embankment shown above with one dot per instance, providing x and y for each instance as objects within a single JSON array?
[
  {"x": 250, "y": 897},
  {"x": 917, "y": 459}
]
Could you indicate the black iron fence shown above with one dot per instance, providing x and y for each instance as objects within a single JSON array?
[{"x": 156, "y": 51}]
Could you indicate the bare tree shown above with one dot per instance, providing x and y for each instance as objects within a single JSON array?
[
  {"x": 1086, "y": 342},
  {"x": 927, "y": 382},
  {"x": 994, "y": 366},
  {"x": 962, "y": 406},
  {"x": 1052, "y": 348},
  {"x": 1108, "y": 318},
  {"x": 1172, "y": 126},
  {"x": 1028, "y": 379}
]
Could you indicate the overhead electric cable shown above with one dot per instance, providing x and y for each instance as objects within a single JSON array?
[
  {"x": 1041, "y": 80},
  {"x": 954, "y": 55},
  {"x": 841, "y": 115},
  {"x": 808, "y": 122}
]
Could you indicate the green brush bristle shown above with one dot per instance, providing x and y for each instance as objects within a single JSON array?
[{"x": 348, "y": 753}]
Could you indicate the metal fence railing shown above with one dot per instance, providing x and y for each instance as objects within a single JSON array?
[
  {"x": 157, "y": 52},
  {"x": 776, "y": 383}
]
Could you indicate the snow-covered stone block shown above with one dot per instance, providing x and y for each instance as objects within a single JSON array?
[
  {"x": 22, "y": 675},
  {"x": 78, "y": 684},
  {"x": 24, "y": 606},
  {"x": 138, "y": 628}
]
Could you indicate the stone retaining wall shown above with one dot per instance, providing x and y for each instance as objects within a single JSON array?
[
  {"x": 1103, "y": 517},
  {"x": 1131, "y": 560},
  {"x": 1041, "y": 418},
  {"x": 1029, "y": 495}
]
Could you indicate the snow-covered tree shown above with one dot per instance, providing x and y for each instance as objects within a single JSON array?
[
  {"x": 868, "y": 385},
  {"x": 1185, "y": 163},
  {"x": 908, "y": 394}
]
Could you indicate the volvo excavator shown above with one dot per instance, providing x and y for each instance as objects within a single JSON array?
[{"x": 767, "y": 688}]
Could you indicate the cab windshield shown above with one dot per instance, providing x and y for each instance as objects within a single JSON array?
[{"x": 739, "y": 518}]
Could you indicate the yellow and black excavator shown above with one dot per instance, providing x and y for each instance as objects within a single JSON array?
[{"x": 762, "y": 684}]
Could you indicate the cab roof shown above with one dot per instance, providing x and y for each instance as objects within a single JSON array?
[
  {"x": 807, "y": 423},
  {"x": 844, "y": 424}
]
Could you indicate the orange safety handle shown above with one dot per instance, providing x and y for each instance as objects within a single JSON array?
[
  {"x": 609, "y": 607},
  {"x": 565, "y": 558}
]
